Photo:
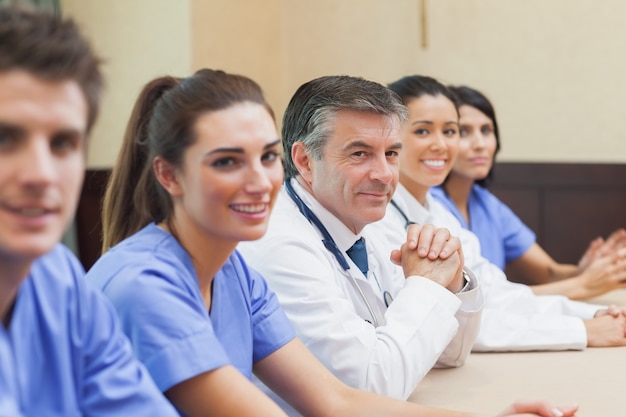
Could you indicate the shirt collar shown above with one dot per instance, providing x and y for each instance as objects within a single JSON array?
[
  {"x": 415, "y": 210},
  {"x": 344, "y": 237}
]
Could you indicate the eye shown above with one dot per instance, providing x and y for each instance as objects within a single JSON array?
[
  {"x": 64, "y": 142},
  {"x": 450, "y": 132},
  {"x": 486, "y": 130},
  {"x": 225, "y": 162},
  {"x": 270, "y": 156},
  {"x": 421, "y": 131},
  {"x": 391, "y": 154},
  {"x": 359, "y": 154},
  {"x": 8, "y": 138},
  {"x": 463, "y": 132}
]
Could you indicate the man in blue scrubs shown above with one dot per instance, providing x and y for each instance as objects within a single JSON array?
[{"x": 62, "y": 351}]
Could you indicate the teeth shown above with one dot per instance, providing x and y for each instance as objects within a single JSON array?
[
  {"x": 249, "y": 208},
  {"x": 434, "y": 162},
  {"x": 32, "y": 212}
]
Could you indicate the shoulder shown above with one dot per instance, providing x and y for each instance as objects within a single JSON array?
[
  {"x": 439, "y": 194},
  {"x": 481, "y": 196},
  {"x": 146, "y": 262},
  {"x": 56, "y": 270}
]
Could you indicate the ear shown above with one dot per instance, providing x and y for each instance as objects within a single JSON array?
[
  {"x": 302, "y": 160},
  {"x": 165, "y": 174}
]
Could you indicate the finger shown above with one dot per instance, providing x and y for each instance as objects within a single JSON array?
[
  {"x": 612, "y": 310},
  {"x": 439, "y": 240},
  {"x": 396, "y": 257},
  {"x": 412, "y": 235},
  {"x": 451, "y": 246},
  {"x": 541, "y": 408},
  {"x": 426, "y": 239}
]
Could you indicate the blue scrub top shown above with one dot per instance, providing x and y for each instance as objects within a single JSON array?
[
  {"x": 64, "y": 354},
  {"x": 152, "y": 283},
  {"x": 503, "y": 236}
]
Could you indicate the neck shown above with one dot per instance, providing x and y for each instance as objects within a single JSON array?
[
  {"x": 208, "y": 253},
  {"x": 458, "y": 189},
  {"x": 12, "y": 275},
  {"x": 417, "y": 190}
]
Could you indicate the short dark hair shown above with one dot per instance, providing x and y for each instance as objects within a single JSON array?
[
  {"x": 52, "y": 49},
  {"x": 467, "y": 96},
  {"x": 309, "y": 115}
]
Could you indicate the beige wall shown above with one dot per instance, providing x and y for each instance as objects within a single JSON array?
[
  {"x": 139, "y": 40},
  {"x": 553, "y": 69}
]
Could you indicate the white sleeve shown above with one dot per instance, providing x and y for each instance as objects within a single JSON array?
[
  {"x": 320, "y": 301},
  {"x": 469, "y": 317},
  {"x": 515, "y": 319}
]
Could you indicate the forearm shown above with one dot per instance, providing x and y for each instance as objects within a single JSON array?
[
  {"x": 570, "y": 287},
  {"x": 219, "y": 393},
  {"x": 363, "y": 404},
  {"x": 561, "y": 271}
]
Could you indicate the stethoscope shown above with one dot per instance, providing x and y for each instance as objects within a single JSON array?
[
  {"x": 407, "y": 222},
  {"x": 331, "y": 246}
]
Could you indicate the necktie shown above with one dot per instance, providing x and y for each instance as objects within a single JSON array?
[{"x": 358, "y": 254}]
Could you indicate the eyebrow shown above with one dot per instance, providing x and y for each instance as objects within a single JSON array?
[
  {"x": 11, "y": 129},
  {"x": 358, "y": 144},
  {"x": 20, "y": 131},
  {"x": 240, "y": 150},
  {"x": 429, "y": 122},
  {"x": 361, "y": 144}
]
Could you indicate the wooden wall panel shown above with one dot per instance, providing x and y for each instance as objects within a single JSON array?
[
  {"x": 567, "y": 205},
  {"x": 88, "y": 215}
]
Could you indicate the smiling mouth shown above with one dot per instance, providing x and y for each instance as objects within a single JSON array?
[
  {"x": 32, "y": 212},
  {"x": 435, "y": 163},
  {"x": 249, "y": 208}
]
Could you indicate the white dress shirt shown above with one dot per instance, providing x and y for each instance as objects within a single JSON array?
[
  {"x": 514, "y": 318},
  {"x": 327, "y": 308}
]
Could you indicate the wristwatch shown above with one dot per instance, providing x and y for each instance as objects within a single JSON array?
[{"x": 467, "y": 279}]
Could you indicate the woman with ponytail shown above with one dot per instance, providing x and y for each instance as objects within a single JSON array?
[{"x": 198, "y": 172}]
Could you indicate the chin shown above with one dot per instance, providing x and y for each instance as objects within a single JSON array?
[
  {"x": 253, "y": 235},
  {"x": 31, "y": 250}
]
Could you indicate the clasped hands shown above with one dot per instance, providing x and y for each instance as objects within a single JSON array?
[{"x": 433, "y": 253}]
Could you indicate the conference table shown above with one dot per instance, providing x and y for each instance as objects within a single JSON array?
[{"x": 488, "y": 382}]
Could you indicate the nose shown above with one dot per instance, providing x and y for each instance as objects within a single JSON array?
[
  {"x": 439, "y": 141},
  {"x": 258, "y": 180},
  {"x": 478, "y": 140},
  {"x": 37, "y": 164},
  {"x": 382, "y": 170}
]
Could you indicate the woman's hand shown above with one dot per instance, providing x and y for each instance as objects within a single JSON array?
[{"x": 538, "y": 408}]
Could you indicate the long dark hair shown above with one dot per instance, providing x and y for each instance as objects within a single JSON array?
[
  {"x": 467, "y": 96},
  {"x": 415, "y": 86},
  {"x": 162, "y": 124}
]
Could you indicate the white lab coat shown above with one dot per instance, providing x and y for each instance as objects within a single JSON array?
[
  {"x": 419, "y": 329},
  {"x": 514, "y": 318}
]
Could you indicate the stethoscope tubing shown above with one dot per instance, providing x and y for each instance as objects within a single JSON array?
[{"x": 331, "y": 246}]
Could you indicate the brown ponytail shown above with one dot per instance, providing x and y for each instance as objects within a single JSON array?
[{"x": 162, "y": 124}]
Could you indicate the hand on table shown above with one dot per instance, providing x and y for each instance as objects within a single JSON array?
[
  {"x": 538, "y": 408},
  {"x": 607, "y": 328}
]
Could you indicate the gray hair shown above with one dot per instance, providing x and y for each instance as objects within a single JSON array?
[{"x": 310, "y": 114}]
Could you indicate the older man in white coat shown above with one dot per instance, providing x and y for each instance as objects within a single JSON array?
[{"x": 375, "y": 327}]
